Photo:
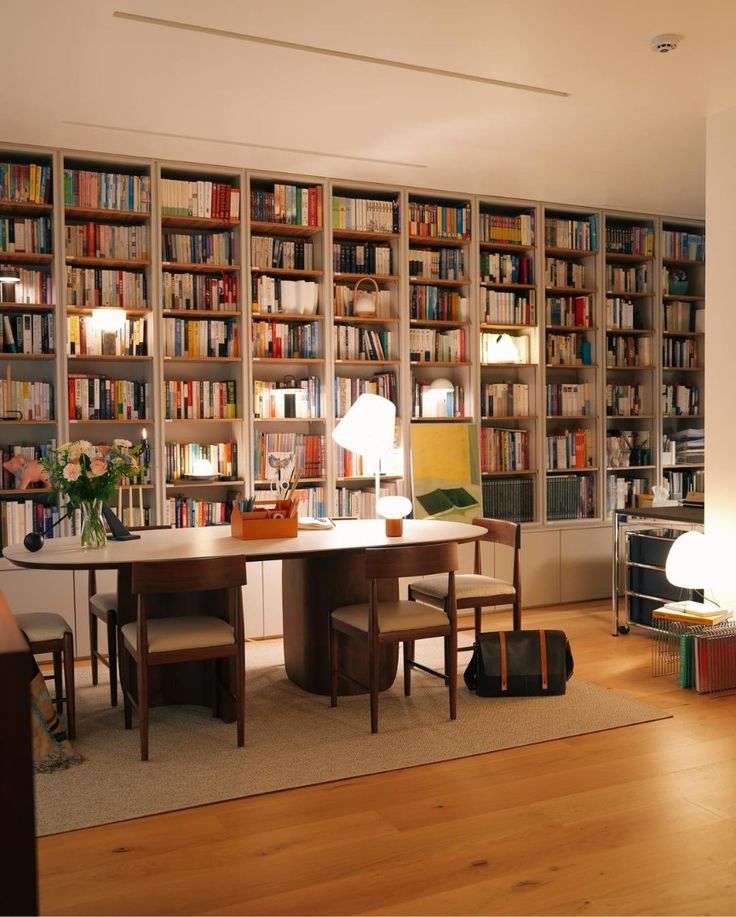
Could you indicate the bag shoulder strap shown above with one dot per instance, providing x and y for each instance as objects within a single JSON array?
[
  {"x": 504, "y": 669},
  {"x": 543, "y": 653}
]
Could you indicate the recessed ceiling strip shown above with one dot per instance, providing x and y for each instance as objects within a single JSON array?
[
  {"x": 330, "y": 52},
  {"x": 256, "y": 146}
]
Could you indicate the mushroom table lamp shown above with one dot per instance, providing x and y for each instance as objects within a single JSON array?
[
  {"x": 393, "y": 510},
  {"x": 688, "y": 566}
]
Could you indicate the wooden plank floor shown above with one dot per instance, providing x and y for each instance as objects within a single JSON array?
[{"x": 639, "y": 820}]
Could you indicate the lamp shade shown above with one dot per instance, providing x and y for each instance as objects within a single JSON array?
[
  {"x": 202, "y": 468},
  {"x": 108, "y": 318},
  {"x": 9, "y": 275},
  {"x": 442, "y": 385},
  {"x": 688, "y": 563},
  {"x": 368, "y": 427},
  {"x": 393, "y": 507}
]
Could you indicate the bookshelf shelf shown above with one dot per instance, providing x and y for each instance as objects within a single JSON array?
[
  {"x": 611, "y": 329},
  {"x": 26, "y": 307},
  {"x": 28, "y": 492},
  {"x": 354, "y": 278},
  {"x": 682, "y": 262},
  {"x": 581, "y": 328},
  {"x": 571, "y": 291},
  {"x": 89, "y": 310},
  {"x": 284, "y": 229},
  {"x": 289, "y": 420},
  {"x": 612, "y": 367},
  {"x": 112, "y": 423},
  {"x": 195, "y": 268},
  {"x": 122, "y": 263},
  {"x": 108, "y": 358},
  {"x": 442, "y": 363},
  {"x": 492, "y": 285},
  {"x": 286, "y": 272},
  {"x": 683, "y": 334},
  {"x": 438, "y": 323},
  {"x": 682, "y": 369},
  {"x": 684, "y": 465},
  {"x": 589, "y": 469},
  {"x": 209, "y": 224},
  {"x": 486, "y": 418},
  {"x": 630, "y": 294},
  {"x": 623, "y": 258},
  {"x": 316, "y": 361},
  {"x": 186, "y": 484},
  {"x": 683, "y": 416},
  {"x": 26, "y": 257},
  {"x": 441, "y": 419},
  {"x": 437, "y": 241},
  {"x": 628, "y": 417},
  {"x": 513, "y": 472},
  {"x": 572, "y": 416},
  {"x": 571, "y": 365},
  {"x": 625, "y": 469},
  {"x": 319, "y": 480},
  {"x": 28, "y": 423},
  {"x": 202, "y": 359},
  {"x": 286, "y": 317},
  {"x": 367, "y": 362},
  {"x": 570, "y": 252},
  {"x": 193, "y": 420},
  {"x": 505, "y": 247},
  {"x": 429, "y": 282},
  {"x": 27, "y": 356},
  {"x": 220, "y": 314},
  {"x": 509, "y": 365},
  {"x": 24, "y": 208},
  {"x": 361, "y": 320},
  {"x": 671, "y": 297},
  {"x": 107, "y": 215},
  {"x": 499, "y": 326},
  {"x": 366, "y": 479},
  {"x": 359, "y": 235}
]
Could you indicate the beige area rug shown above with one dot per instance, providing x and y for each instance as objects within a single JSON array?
[{"x": 294, "y": 739}]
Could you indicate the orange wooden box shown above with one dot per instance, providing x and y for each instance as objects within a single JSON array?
[{"x": 260, "y": 524}]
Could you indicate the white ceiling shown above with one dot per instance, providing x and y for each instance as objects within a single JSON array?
[{"x": 631, "y": 135}]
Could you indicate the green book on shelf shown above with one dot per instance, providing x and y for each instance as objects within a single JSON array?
[{"x": 685, "y": 672}]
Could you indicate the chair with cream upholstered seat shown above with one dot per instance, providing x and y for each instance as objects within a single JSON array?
[
  {"x": 473, "y": 590},
  {"x": 48, "y": 632},
  {"x": 152, "y": 641},
  {"x": 379, "y": 622}
]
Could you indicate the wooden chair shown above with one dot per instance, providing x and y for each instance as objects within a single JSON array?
[
  {"x": 162, "y": 640},
  {"x": 103, "y": 606},
  {"x": 474, "y": 590},
  {"x": 48, "y": 632},
  {"x": 377, "y": 622}
]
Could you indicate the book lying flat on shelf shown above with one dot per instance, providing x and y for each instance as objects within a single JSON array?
[
  {"x": 692, "y": 613},
  {"x": 315, "y": 523},
  {"x": 446, "y": 499}
]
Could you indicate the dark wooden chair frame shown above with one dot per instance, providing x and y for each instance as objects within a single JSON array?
[
  {"x": 109, "y": 618},
  {"x": 392, "y": 563},
  {"x": 498, "y": 531},
  {"x": 181, "y": 576},
  {"x": 62, "y": 650}
]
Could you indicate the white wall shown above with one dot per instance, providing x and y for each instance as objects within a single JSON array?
[{"x": 720, "y": 401}]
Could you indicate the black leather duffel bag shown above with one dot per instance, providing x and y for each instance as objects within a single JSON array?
[{"x": 518, "y": 663}]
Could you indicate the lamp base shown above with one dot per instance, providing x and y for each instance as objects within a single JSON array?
[{"x": 394, "y": 528}]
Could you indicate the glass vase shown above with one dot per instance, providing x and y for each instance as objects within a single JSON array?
[{"x": 93, "y": 528}]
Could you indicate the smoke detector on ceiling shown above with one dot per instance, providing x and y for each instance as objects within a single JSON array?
[{"x": 663, "y": 44}]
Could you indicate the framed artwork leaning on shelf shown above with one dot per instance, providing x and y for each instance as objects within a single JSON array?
[{"x": 445, "y": 462}]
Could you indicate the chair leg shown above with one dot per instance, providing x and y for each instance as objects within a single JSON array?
[
  {"x": 143, "y": 705},
  {"x": 58, "y": 688},
  {"x": 452, "y": 640},
  {"x": 408, "y": 659},
  {"x": 71, "y": 714},
  {"x": 125, "y": 683},
  {"x": 93, "y": 647},
  {"x": 334, "y": 660},
  {"x": 447, "y": 661},
  {"x": 112, "y": 657},
  {"x": 240, "y": 691},
  {"x": 374, "y": 675},
  {"x": 517, "y": 616}
]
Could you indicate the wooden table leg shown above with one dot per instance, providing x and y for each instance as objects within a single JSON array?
[{"x": 311, "y": 588}]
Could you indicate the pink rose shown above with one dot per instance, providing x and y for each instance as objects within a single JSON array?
[
  {"x": 97, "y": 467},
  {"x": 72, "y": 471}
]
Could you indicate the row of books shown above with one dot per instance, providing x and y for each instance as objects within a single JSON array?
[
  {"x": 629, "y": 240},
  {"x": 503, "y": 450},
  {"x": 580, "y": 235},
  {"x": 634, "y": 279},
  {"x": 570, "y": 310},
  {"x": 18, "y": 518},
  {"x": 344, "y": 296},
  {"x": 29, "y": 452},
  {"x": 25, "y": 234},
  {"x": 107, "y": 190},
  {"x": 362, "y": 343},
  {"x": 570, "y": 399},
  {"x": 683, "y": 246},
  {"x": 364, "y": 214},
  {"x": 624, "y": 492},
  {"x": 569, "y": 449},
  {"x": 572, "y": 349},
  {"x": 428, "y": 402},
  {"x": 188, "y": 513},
  {"x": 439, "y": 221},
  {"x": 94, "y": 397},
  {"x": 362, "y": 258},
  {"x": 208, "y": 199},
  {"x": 707, "y": 660},
  {"x": 503, "y": 228},
  {"x": 86, "y": 286},
  {"x": 25, "y": 183},
  {"x": 362, "y": 503},
  {"x": 287, "y": 204},
  {"x": 30, "y": 400},
  {"x": 184, "y": 337},
  {"x": 681, "y": 399},
  {"x": 347, "y": 390},
  {"x": 570, "y": 496},
  {"x": 497, "y": 267},
  {"x": 307, "y": 449},
  {"x": 504, "y": 399},
  {"x": 628, "y": 350},
  {"x": 428, "y": 345},
  {"x": 84, "y": 337},
  {"x": 195, "y": 399},
  {"x": 561, "y": 273},
  {"x": 276, "y": 340},
  {"x": 272, "y": 294},
  {"x": 504, "y": 308},
  {"x": 269, "y": 399},
  {"x": 624, "y": 400},
  {"x": 350, "y": 464},
  {"x": 680, "y": 316},
  {"x": 437, "y": 264},
  {"x": 34, "y": 287},
  {"x": 105, "y": 240},
  {"x": 503, "y": 348},
  {"x": 509, "y": 498},
  {"x": 430, "y": 303},
  {"x": 27, "y": 332},
  {"x": 181, "y": 458},
  {"x": 267, "y": 251},
  {"x": 684, "y": 482},
  {"x": 217, "y": 292},
  {"x": 200, "y": 247},
  {"x": 620, "y": 313},
  {"x": 679, "y": 353}
]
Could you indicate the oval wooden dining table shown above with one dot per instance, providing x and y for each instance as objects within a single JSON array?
[{"x": 320, "y": 570}]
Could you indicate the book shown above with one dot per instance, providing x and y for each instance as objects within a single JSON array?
[{"x": 444, "y": 500}]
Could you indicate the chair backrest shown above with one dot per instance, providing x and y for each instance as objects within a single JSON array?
[
  {"x": 500, "y": 531},
  {"x": 202, "y": 574},
  {"x": 413, "y": 560}
]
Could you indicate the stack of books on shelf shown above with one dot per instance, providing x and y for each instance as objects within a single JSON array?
[
  {"x": 428, "y": 345},
  {"x": 218, "y": 293},
  {"x": 437, "y": 264},
  {"x": 348, "y": 390},
  {"x": 504, "y": 399},
  {"x": 505, "y": 308},
  {"x": 624, "y": 400},
  {"x": 196, "y": 399},
  {"x": 570, "y": 496},
  {"x": 683, "y": 400},
  {"x": 629, "y": 240},
  {"x": 569, "y": 399},
  {"x": 634, "y": 279},
  {"x": 559, "y": 273},
  {"x": 503, "y": 450},
  {"x": 270, "y": 402},
  {"x": 363, "y": 215},
  {"x": 181, "y": 458},
  {"x": 84, "y": 338},
  {"x": 679, "y": 353},
  {"x": 307, "y": 449},
  {"x": 623, "y": 350},
  {"x": 683, "y": 246},
  {"x": 511, "y": 230},
  {"x": 268, "y": 252},
  {"x": 429, "y": 403},
  {"x": 273, "y": 295},
  {"x": 620, "y": 313},
  {"x": 569, "y": 449},
  {"x": 498, "y": 267},
  {"x": 26, "y": 332},
  {"x": 26, "y": 235},
  {"x": 428, "y": 303},
  {"x": 680, "y": 316},
  {"x": 576, "y": 311},
  {"x": 34, "y": 287},
  {"x": 95, "y": 397},
  {"x": 208, "y": 199},
  {"x": 104, "y": 240},
  {"x": 439, "y": 221},
  {"x": 199, "y": 338},
  {"x": 276, "y": 340},
  {"x": 199, "y": 248},
  {"x": 186, "y": 512},
  {"x": 569, "y": 350},
  {"x": 362, "y": 258},
  {"x": 107, "y": 190},
  {"x": 30, "y": 400},
  {"x": 25, "y": 183},
  {"x": 87, "y": 286},
  {"x": 310, "y": 501},
  {"x": 624, "y": 492},
  {"x": 289, "y": 204},
  {"x": 509, "y": 498},
  {"x": 581, "y": 234},
  {"x": 362, "y": 343}
]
